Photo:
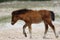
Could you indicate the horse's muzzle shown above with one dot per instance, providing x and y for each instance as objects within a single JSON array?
[{"x": 12, "y": 23}]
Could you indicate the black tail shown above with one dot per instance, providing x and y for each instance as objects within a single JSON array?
[{"x": 52, "y": 15}]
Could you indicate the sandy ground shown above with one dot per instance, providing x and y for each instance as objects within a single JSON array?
[{"x": 37, "y": 33}]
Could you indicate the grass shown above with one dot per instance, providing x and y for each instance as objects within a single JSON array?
[
  {"x": 5, "y": 19},
  {"x": 57, "y": 16}
]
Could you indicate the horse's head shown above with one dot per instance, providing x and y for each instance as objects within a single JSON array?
[
  {"x": 18, "y": 14},
  {"x": 14, "y": 18}
]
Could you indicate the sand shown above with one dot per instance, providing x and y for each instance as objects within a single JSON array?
[{"x": 37, "y": 33}]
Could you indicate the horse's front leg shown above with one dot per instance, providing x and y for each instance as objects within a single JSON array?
[{"x": 24, "y": 30}]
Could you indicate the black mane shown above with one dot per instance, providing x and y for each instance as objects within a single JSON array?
[{"x": 21, "y": 11}]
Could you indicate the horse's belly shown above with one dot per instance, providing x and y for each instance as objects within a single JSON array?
[
  {"x": 36, "y": 20},
  {"x": 35, "y": 17}
]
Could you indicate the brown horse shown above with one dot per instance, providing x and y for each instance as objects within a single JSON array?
[{"x": 34, "y": 16}]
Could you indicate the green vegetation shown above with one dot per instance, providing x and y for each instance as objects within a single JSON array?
[
  {"x": 39, "y": 0},
  {"x": 5, "y": 19},
  {"x": 22, "y": 0},
  {"x": 57, "y": 16}
]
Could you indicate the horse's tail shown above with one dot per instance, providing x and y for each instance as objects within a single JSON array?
[{"x": 52, "y": 15}]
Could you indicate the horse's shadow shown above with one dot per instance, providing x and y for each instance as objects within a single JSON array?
[{"x": 47, "y": 38}]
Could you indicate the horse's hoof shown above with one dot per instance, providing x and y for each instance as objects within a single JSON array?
[
  {"x": 25, "y": 34},
  {"x": 57, "y": 36}
]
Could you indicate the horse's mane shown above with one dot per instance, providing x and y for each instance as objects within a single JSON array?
[{"x": 21, "y": 11}]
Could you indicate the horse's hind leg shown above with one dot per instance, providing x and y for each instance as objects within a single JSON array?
[
  {"x": 46, "y": 29},
  {"x": 24, "y": 30},
  {"x": 52, "y": 26}
]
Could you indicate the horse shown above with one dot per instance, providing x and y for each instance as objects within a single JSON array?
[{"x": 34, "y": 16}]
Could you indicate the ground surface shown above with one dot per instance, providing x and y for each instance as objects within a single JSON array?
[{"x": 16, "y": 33}]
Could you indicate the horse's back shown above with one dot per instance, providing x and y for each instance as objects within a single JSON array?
[{"x": 33, "y": 16}]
